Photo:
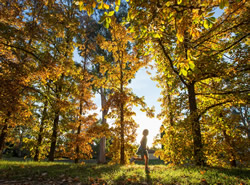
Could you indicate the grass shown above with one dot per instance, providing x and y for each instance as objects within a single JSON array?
[{"x": 58, "y": 172}]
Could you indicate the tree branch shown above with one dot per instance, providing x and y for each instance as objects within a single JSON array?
[
  {"x": 28, "y": 52},
  {"x": 212, "y": 106},
  {"x": 214, "y": 28},
  {"x": 223, "y": 93},
  {"x": 171, "y": 62},
  {"x": 236, "y": 42}
]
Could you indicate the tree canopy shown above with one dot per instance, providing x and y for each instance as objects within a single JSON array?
[{"x": 202, "y": 63}]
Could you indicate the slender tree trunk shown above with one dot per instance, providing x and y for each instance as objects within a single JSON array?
[
  {"x": 40, "y": 135},
  {"x": 77, "y": 151},
  {"x": 102, "y": 154},
  {"x": 171, "y": 122},
  {"x": 170, "y": 111},
  {"x": 196, "y": 131},
  {"x": 245, "y": 118},
  {"x": 78, "y": 133},
  {"x": 77, "y": 146},
  {"x": 4, "y": 134},
  {"x": 54, "y": 137},
  {"x": 56, "y": 121},
  {"x": 20, "y": 143},
  {"x": 122, "y": 159},
  {"x": 122, "y": 154}
]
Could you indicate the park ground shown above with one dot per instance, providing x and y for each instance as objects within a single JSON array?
[{"x": 16, "y": 172}]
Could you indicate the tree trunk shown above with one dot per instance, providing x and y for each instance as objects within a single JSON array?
[
  {"x": 56, "y": 120},
  {"x": 102, "y": 154},
  {"x": 20, "y": 143},
  {"x": 54, "y": 137},
  {"x": 196, "y": 131},
  {"x": 122, "y": 154},
  {"x": 77, "y": 145},
  {"x": 4, "y": 134},
  {"x": 171, "y": 122},
  {"x": 78, "y": 133},
  {"x": 122, "y": 159},
  {"x": 40, "y": 135}
]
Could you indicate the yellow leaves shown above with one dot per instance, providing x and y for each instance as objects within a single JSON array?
[
  {"x": 118, "y": 2},
  {"x": 180, "y": 36},
  {"x": 191, "y": 65},
  {"x": 157, "y": 35},
  {"x": 89, "y": 7},
  {"x": 117, "y": 8},
  {"x": 100, "y": 6},
  {"x": 150, "y": 112},
  {"x": 106, "y": 6},
  {"x": 183, "y": 72},
  {"x": 179, "y": 1},
  {"x": 103, "y": 6},
  {"x": 208, "y": 22},
  {"x": 81, "y": 5},
  {"x": 111, "y": 13},
  {"x": 247, "y": 42},
  {"x": 106, "y": 18},
  {"x": 94, "y": 4}
]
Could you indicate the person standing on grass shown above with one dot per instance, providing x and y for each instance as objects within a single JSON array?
[{"x": 142, "y": 150}]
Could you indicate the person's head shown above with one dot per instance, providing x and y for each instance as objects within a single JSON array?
[{"x": 145, "y": 132}]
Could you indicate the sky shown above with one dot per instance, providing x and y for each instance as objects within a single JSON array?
[{"x": 142, "y": 85}]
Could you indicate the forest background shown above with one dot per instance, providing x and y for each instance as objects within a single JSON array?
[{"x": 201, "y": 64}]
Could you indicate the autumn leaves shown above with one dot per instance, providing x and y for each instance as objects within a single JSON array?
[{"x": 201, "y": 62}]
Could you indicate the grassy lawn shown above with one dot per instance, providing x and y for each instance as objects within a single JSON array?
[{"x": 29, "y": 172}]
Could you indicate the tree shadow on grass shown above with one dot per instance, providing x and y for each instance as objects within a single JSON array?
[
  {"x": 138, "y": 178},
  {"x": 149, "y": 180},
  {"x": 242, "y": 173},
  {"x": 89, "y": 174}
]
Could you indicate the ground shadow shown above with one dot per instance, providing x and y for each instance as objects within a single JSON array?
[
  {"x": 148, "y": 178},
  {"x": 60, "y": 172},
  {"x": 236, "y": 172}
]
